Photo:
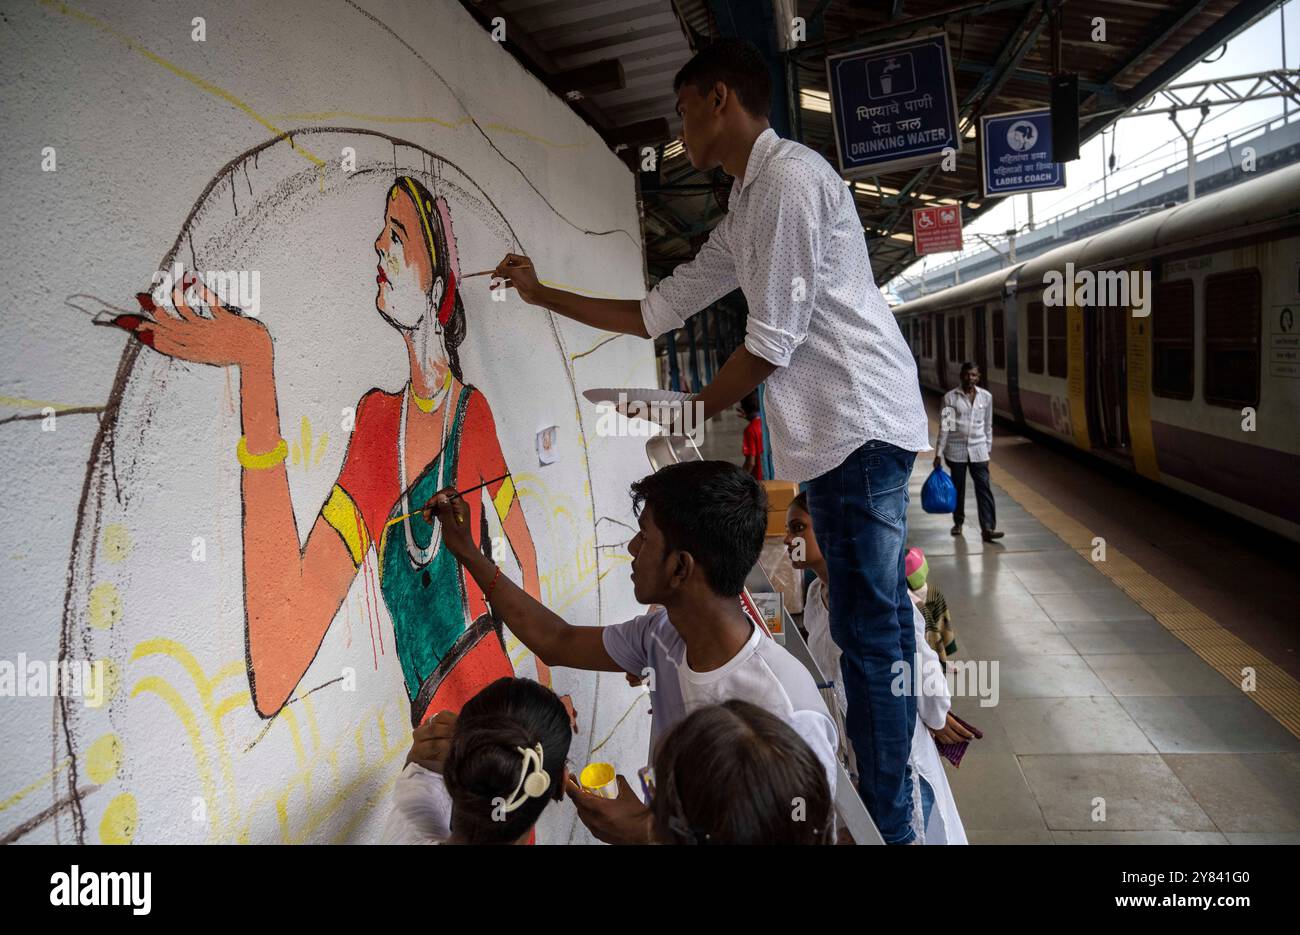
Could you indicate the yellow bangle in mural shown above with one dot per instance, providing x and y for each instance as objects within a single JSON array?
[{"x": 260, "y": 462}]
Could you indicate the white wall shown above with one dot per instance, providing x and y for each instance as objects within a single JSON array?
[{"x": 104, "y": 510}]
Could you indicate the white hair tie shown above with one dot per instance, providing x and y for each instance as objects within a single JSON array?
[{"x": 531, "y": 783}]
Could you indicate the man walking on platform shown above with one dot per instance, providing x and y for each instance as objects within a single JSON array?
[
  {"x": 844, "y": 405},
  {"x": 966, "y": 441}
]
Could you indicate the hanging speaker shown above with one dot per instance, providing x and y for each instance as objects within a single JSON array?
[{"x": 1065, "y": 118}]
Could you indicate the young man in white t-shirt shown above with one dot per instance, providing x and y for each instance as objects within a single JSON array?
[{"x": 701, "y": 529}]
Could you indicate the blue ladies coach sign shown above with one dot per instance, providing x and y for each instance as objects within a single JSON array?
[
  {"x": 893, "y": 105},
  {"x": 1016, "y": 153}
]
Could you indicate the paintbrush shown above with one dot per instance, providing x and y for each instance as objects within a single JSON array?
[
  {"x": 459, "y": 493},
  {"x": 489, "y": 272}
]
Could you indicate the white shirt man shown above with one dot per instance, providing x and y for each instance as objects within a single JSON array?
[
  {"x": 966, "y": 426},
  {"x": 966, "y": 441},
  {"x": 792, "y": 241}
]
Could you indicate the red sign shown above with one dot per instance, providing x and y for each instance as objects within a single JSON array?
[{"x": 936, "y": 229}]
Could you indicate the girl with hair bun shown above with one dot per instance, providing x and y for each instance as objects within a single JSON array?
[{"x": 504, "y": 764}]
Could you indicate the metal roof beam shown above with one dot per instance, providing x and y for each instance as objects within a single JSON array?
[
  {"x": 1163, "y": 29},
  {"x": 903, "y": 27},
  {"x": 1024, "y": 74},
  {"x": 1238, "y": 18}
]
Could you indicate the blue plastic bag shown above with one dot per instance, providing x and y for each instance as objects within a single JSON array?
[{"x": 939, "y": 495}]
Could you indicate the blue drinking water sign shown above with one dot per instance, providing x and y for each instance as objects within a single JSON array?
[
  {"x": 1016, "y": 153},
  {"x": 893, "y": 105}
]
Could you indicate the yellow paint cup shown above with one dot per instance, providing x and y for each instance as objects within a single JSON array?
[{"x": 598, "y": 779}]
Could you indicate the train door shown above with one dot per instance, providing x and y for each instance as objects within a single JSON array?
[
  {"x": 1107, "y": 368},
  {"x": 940, "y": 350},
  {"x": 981, "y": 346}
]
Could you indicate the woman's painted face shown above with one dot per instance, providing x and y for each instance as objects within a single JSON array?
[{"x": 405, "y": 273}]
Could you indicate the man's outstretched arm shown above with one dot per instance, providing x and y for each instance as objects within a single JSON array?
[
  {"x": 620, "y": 315},
  {"x": 739, "y": 376},
  {"x": 692, "y": 286},
  {"x": 551, "y": 639}
]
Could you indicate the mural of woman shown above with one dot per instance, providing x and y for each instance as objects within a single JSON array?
[{"x": 438, "y": 431}]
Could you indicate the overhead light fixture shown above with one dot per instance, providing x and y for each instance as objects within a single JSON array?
[
  {"x": 906, "y": 238},
  {"x": 674, "y": 149},
  {"x": 819, "y": 101},
  {"x": 868, "y": 189}
]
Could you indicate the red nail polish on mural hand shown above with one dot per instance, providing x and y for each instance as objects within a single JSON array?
[
  {"x": 128, "y": 322},
  {"x": 144, "y": 337},
  {"x": 146, "y": 301}
]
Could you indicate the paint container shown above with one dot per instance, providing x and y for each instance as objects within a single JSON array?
[{"x": 598, "y": 779}]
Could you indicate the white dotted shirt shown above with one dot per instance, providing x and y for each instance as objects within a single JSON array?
[
  {"x": 966, "y": 427},
  {"x": 792, "y": 241}
]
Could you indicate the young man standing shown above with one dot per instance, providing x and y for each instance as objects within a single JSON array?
[
  {"x": 844, "y": 405},
  {"x": 966, "y": 441},
  {"x": 701, "y": 528}
]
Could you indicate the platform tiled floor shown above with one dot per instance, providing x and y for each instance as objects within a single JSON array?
[{"x": 1097, "y": 702}]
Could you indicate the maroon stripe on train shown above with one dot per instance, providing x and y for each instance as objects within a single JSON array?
[
  {"x": 1001, "y": 396},
  {"x": 1251, "y": 474},
  {"x": 1037, "y": 407}
]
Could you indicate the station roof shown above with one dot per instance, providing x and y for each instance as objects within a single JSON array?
[
  {"x": 613, "y": 60},
  {"x": 1002, "y": 59}
]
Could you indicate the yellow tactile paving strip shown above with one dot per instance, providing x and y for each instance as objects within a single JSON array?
[{"x": 1275, "y": 690}]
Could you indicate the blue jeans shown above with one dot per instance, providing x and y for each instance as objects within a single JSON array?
[{"x": 859, "y": 514}]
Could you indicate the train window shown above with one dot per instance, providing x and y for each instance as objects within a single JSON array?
[
  {"x": 951, "y": 327},
  {"x": 1174, "y": 355},
  {"x": 1058, "y": 355},
  {"x": 1034, "y": 314},
  {"x": 999, "y": 341},
  {"x": 960, "y": 356},
  {"x": 1232, "y": 338}
]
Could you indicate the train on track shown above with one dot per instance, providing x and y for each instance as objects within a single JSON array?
[{"x": 1168, "y": 345}]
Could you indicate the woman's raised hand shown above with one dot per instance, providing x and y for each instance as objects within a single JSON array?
[{"x": 225, "y": 339}]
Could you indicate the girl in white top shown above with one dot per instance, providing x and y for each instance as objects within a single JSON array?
[
  {"x": 935, "y": 814},
  {"x": 504, "y": 762}
]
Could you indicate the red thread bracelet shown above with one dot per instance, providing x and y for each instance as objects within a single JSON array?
[{"x": 493, "y": 584}]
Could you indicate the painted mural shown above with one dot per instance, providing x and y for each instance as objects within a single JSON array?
[{"x": 272, "y": 616}]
